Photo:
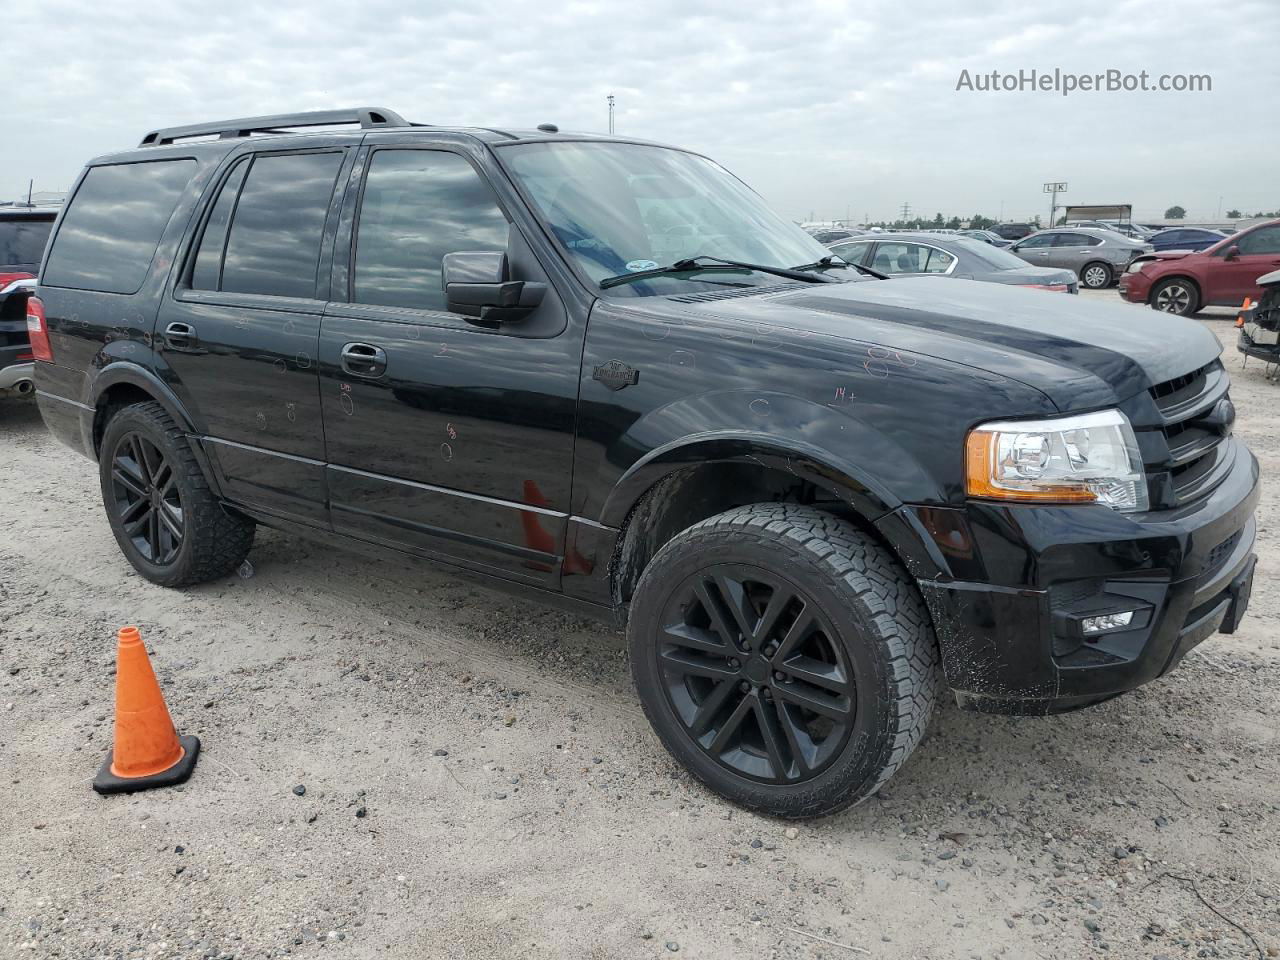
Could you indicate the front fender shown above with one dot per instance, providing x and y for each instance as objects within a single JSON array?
[{"x": 842, "y": 454}]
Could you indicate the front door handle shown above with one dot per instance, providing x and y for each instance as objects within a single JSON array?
[
  {"x": 180, "y": 336},
  {"x": 364, "y": 360}
]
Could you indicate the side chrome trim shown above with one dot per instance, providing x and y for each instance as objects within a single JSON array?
[
  {"x": 591, "y": 523},
  {"x": 510, "y": 504},
  {"x": 252, "y": 449},
  {"x": 74, "y": 403}
]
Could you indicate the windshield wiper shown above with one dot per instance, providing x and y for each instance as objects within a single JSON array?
[
  {"x": 833, "y": 262},
  {"x": 690, "y": 264}
]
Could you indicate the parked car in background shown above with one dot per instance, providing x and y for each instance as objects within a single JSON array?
[
  {"x": 24, "y": 231},
  {"x": 1013, "y": 231},
  {"x": 16, "y": 360},
  {"x": 1097, "y": 257},
  {"x": 987, "y": 236},
  {"x": 950, "y": 256},
  {"x": 1185, "y": 238},
  {"x": 1180, "y": 282},
  {"x": 825, "y": 236},
  {"x": 1134, "y": 231}
]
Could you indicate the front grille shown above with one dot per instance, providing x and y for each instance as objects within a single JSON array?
[{"x": 1189, "y": 456}]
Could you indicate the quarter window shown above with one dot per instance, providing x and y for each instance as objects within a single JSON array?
[
  {"x": 939, "y": 261},
  {"x": 111, "y": 228},
  {"x": 419, "y": 205},
  {"x": 273, "y": 247}
]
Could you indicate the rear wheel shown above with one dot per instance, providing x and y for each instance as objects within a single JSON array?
[
  {"x": 1096, "y": 276},
  {"x": 784, "y": 658},
  {"x": 167, "y": 521},
  {"x": 1176, "y": 296}
]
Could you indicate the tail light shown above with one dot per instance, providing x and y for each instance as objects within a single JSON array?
[
  {"x": 38, "y": 330},
  {"x": 8, "y": 278},
  {"x": 1055, "y": 287}
]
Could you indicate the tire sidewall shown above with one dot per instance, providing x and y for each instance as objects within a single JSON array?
[
  {"x": 857, "y": 768},
  {"x": 133, "y": 420}
]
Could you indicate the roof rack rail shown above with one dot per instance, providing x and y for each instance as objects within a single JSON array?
[{"x": 369, "y": 118}]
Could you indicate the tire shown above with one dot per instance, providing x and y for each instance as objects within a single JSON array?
[
  {"x": 854, "y": 639},
  {"x": 1097, "y": 275},
  {"x": 1175, "y": 295},
  {"x": 174, "y": 531}
]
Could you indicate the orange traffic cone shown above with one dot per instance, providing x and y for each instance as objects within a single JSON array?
[{"x": 148, "y": 752}]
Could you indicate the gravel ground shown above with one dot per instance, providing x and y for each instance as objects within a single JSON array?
[{"x": 400, "y": 764}]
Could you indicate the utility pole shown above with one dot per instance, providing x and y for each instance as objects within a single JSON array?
[
  {"x": 610, "y": 99},
  {"x": 906, "y": 211}
]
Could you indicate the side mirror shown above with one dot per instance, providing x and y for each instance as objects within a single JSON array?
[
  {"x": 477, "y": 283},
  {"x": 1232, "y": 252}
]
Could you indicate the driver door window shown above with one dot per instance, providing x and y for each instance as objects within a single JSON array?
[{"x": 417, "y": 206}]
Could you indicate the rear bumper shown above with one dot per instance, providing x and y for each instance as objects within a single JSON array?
[
  {"x": 1009, "y": 624},
  {"x": 13, "y": 376}
]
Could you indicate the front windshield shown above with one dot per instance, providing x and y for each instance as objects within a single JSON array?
[{"x": 622, "y": 208}]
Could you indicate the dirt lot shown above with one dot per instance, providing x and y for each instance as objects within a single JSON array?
[{"x": 480, "y": 782}]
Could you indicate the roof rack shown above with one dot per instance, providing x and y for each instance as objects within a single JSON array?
[{"x": 369, "y": 118}]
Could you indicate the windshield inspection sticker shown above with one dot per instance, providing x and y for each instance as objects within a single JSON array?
[{"x": 635, "y": 266}]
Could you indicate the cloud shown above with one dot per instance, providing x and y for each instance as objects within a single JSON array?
[{"x": 833, "y": 106}]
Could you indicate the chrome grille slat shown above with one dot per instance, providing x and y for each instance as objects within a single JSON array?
[{"x": 1193, "y": 459}]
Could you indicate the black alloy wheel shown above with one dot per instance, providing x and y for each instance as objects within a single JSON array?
[
  {"x": 146, "y": 499},
  {"x": 750, "y": 668}
]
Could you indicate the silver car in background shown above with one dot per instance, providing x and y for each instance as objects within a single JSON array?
[{"x": 1097, "y": 257}]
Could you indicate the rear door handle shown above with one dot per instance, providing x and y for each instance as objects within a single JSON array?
[
  {"x": 180, "y": 336},
  {"x": 364, "y": 360}
]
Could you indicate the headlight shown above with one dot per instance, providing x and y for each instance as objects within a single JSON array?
[
  {"x": 1091, "y": 458},
  {"x": 1137, "y": 265}
]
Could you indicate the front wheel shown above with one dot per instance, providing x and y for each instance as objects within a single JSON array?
[
  {"x": 1096, "y": 276},
  {"x": 784, "y": 658},
  {"x": 167, "y": 521},
  {"x": 1176, "y": 296}
]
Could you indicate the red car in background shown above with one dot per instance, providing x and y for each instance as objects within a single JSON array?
[{"x": 1181, "y": 282}]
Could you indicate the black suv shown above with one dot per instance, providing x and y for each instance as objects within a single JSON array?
[
  {"x": 24, "y": 231},
  {"x": 603, "y": 371}
]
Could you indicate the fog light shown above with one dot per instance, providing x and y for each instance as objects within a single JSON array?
[{"x": 1105, "y": 622}]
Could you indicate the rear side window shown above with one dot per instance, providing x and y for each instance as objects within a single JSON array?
[
  {"x": 110, "y": 230},
  {"x": 419, "y": 205},
  {"x": 273, "y": 246},
  {"x": 22, "y": 240}
]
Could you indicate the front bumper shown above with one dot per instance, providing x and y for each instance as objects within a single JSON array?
[
  {"x": 1134, "y": 287},
  {"x": 1007, "y": 621}
]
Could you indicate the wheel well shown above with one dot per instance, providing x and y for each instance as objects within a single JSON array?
[
  {"x": 114, "y": 398},
  {"x": 1101, "y": 263},
  {"x": 679, "y": 500}
]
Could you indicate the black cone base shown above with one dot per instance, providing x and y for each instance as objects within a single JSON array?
[{"x": 108, "y": 782}]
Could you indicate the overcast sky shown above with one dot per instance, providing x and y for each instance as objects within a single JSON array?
[{"x": 824, "y": 107}]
